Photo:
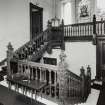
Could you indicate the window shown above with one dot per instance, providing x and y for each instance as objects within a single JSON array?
[
  {"x": 66, "y": 12},
  {"x": 101, "y": 7}
]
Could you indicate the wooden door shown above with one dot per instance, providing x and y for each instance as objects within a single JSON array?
[
  {"x": 36, "y": 20},
  {"x": 100, "y": 59}
]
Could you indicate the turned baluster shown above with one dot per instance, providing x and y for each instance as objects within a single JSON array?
[
  {"x": 65, "y": 31},
  {"x": 88, "y": 30},
  {"x": 55, "y": 82},
  {"x": 32, "y": 74},
  {"x": 36, "y": 73},
  {"x": 45, "y": 76},
  {"x": 104, "y": 27},
  {"x": 40, "y": 74},
  {"x": 101, "y": 26},
  {"x": 50, "y": 80},
  {"x": 69, "y": 85},
  {"x": 20, "y": 69}
]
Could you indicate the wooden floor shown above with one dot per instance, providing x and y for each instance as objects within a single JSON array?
[
  {"x": 101, "y": 100},
  {"x": 9, "y": 97}
]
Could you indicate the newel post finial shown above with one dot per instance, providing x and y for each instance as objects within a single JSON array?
[
  {"x": 10, "y": 50},
  {"x": 62, "y": 22},
  {"x": 9, "y": 46},
  {"x": 82, "y": 72},
  {"x": 94, "y": 24},
  {"x": 94, "y": 29},
  {"x": 89, "y": 71},
  {"x": 82, "y": 75},
  {"x": 89, "y": 78}
]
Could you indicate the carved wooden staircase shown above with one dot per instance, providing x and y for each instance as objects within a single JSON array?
[{"x": 29, "y": 53}]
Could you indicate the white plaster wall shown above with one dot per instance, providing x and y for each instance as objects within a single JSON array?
[
  {"x": 3, "y": 26},
  {"x": 78, "y": 54},
  {"x": 15, "y": 22}
]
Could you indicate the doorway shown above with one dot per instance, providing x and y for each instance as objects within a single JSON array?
[{"x": 36, "y": 20}]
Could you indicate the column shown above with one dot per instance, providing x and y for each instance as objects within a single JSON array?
[
  {"x": 55, "y": 83},
  {"x": 32, "y": 77},
  {"x": 45, "y": 76},
  {"x": 50, "y": 80},
  {"x": 49, "y": 77}
]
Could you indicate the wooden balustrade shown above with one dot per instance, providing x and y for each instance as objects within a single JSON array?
[
  {"x": 100, "y": 27},
  {"x": 78, "y": 30},
  {"x": 79, "y": 87},
  {"x": 84, "y": 31},
  {"x": 42, "y": 72}
]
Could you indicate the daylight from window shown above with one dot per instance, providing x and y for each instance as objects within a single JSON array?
[
  {"x": 101, "y": 7},
  {"x": 67, "y": 13}
]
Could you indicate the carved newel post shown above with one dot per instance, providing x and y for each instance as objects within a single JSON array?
[
  {"x": 82, "y": 75},
  {"x": 89, "y": 78},
  {"x": 94, "y": 30},
  {"x": 9, "y": 56},
  {"x": 62, "y": 77}
]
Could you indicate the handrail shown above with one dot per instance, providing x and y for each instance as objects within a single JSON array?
[
  {"x": 80, "y": 87},
  {"x": 78, "y": 30},
  {"x": 76, "y": 24},
  {"x": 102, "y": 21},
  {"x": 36, "y": 38},
  {"x": 38, "y": 65},
  {"x": 74, "y": 75},
  {"x": 25, "y": 50}
]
